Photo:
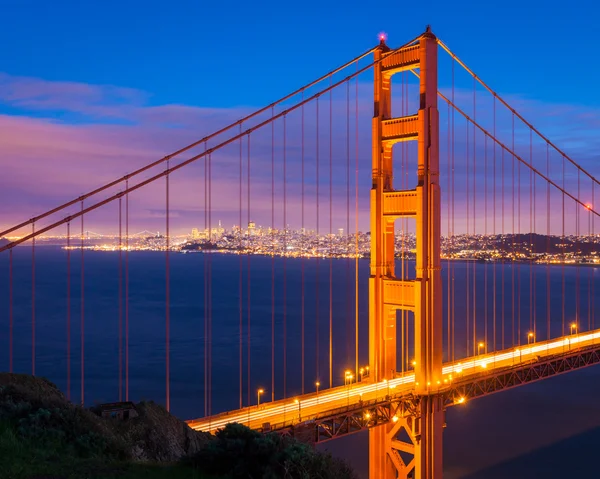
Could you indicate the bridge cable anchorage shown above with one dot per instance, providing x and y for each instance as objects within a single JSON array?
[
  {"x": 190, "y": 146},
  {"x": 540, "y": 134}
]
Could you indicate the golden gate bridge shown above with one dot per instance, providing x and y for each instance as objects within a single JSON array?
[{"x": 474, "y": 168}]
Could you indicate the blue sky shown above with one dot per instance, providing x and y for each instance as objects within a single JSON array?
[
  {"x": 90, "y": 91},
  {"x": 234, "y": 53}
]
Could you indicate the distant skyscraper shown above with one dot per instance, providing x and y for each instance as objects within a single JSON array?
[{"x": 341, "y": 231}]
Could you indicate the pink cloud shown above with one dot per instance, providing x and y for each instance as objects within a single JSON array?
[{"x": 46, "y": 162}]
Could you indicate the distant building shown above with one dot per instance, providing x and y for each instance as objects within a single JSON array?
[{"x": 118, "y": 410}]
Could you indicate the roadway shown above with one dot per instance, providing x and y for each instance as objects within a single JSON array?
[{"x": 287, "y": 412}]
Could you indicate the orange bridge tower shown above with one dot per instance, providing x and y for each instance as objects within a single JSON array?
[{"x": 411, "y": 445}]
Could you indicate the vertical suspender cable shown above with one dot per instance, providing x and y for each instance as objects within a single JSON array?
[
  {"x": 513, "y": 231},
  {"x": 453, "y": 210},
  {"x": 518, "y": 265},
  {"x": 474, "y": 217},
  {"x": 68, "y": 310},
  {"x": 533, "y": 298},
  {"x": 502, "y": 195},
  {"x": 592, "y": 279},
  {"x": 33, "y": 301},
  {"x": 563, "y": 247},
  {"x": 577, "y": 246},
  {"x": 284, "y": 259},
  {"x": 82, "y": 305},
  {"x": 356, "y": 229},
  {"x": 241, "y": 285},
  {"x": 205, "y": 258},
  {"x": 494, "y": 228},
  {"x": 318, "y": 247},
  {"x": 331, "y": 242},
  {"x": 532, "y": 325},
  {"x": 448, "y": 246},
  {"x": 127, "y": 291},
  {"x": 273, "y": 259},
  {"x": 348, "y": 246},
  {"x": 10, "y": 310},
  {"x": 167, "y": 294},
  {"x": 468, "y": 266},
  {"x": 120, "y": 334},
  {"x": 548, "y": 241},
  {"x": 248, "y": 277},
  {"x": 209, "y": 329},
  {"x": 302, "y": 261},
  {"x": 485, "y": 233}
]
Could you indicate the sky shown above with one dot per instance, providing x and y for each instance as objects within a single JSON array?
[{"x": 89, "y": 93}]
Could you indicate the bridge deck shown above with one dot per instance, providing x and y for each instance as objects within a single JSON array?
[{"x": 466, "y": 378}]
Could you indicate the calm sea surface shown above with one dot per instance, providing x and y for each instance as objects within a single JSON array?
[{"x": 498, "y": 317}]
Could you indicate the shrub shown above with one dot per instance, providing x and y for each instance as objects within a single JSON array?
[{"x": 238, "y": 451}]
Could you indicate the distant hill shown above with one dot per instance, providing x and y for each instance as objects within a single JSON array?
[{"x": 3, "y": 241}]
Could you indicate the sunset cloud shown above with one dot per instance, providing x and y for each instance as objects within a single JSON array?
[{"x": 61, "y": 139}]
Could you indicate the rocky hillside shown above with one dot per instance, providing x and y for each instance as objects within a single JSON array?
[{"x": 37, "y": 408}]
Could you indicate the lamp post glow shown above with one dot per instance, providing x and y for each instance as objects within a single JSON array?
[
  {"x": 573, "y": 327},
  {"x": 317, "y": 384},
  {"x": 299, "y": 409},
  {"x": 361, "y": 372},
  {"x": 480, "y": 346},
  {"x": 530, "y": 338},
  {"x": 259, "y": 392}
]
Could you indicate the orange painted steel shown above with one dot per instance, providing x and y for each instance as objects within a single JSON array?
[{"x": 387, "y": 294}]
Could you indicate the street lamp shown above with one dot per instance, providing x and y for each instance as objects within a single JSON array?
[
  {"x": 317, "y": 384},
  {"x": 361, "y": 371},
  {"x": 530, "y": 337},
  {"x": 259, "y": 392},
  {"x": 479, "y": 347},
  {"x": 573, "y": 327},
  {"x": 366, "y": 370},
  {"x": 299, "y": 409},
  {"x": 385, "y": 381},
  {"x": 348, "y": 377}
]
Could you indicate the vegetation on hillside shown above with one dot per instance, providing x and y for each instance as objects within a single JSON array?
[{"x": 42, "y": 435}]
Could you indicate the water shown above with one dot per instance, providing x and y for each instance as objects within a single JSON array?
[{"x": 147, "y": 321}]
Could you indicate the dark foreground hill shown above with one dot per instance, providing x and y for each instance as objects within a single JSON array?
[{"x": 44, "y": 436}]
